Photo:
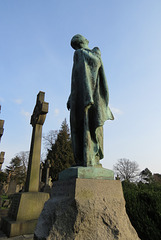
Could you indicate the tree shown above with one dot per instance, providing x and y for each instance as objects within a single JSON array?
[
  {"x": 143, "y": 207},
  {"x": 60, "y": 154},
  {"x": 126, "y": 169},
  {"x": 18, "y": 167},
  {"x": 49, "y": 138},
  {"x": 146, "y": 176}
]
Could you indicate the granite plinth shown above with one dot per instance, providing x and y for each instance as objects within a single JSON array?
[
  {"x": 85, "y": 209},
  {"x": 87, "y": 173}
]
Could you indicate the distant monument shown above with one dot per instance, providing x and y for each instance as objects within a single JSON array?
[
  {"x": 41, "y": 168},
  {"x": 86, "y": 202},
  {"x": 1, "y": 128},
  {"x": 11, "y": 187},
  {"x": 48, "y": 166},
  {"x": 1, "y": 133},
  {"x": 26, "y": 207},
  {"x": 48, "y": 184},
  {"x": 1, "y": 159}
]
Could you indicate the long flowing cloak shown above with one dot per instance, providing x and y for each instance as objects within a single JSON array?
[{"x": 89, "y": 107}]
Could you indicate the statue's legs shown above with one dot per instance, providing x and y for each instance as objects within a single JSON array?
[
  {"x": 93, "y": 144},
  {"x": 77, "y": 141},
  {"x": 87, "y": 143}
]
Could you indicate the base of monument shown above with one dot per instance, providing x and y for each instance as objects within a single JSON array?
[
  {"x": 85, "y": 209},
  {"x": 87, "y": 173},
  {"x": 23, "y": 213},
  {"x": 16, "y": 228}
]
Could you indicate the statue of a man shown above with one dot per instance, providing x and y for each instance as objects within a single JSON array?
[{"x": 88, "y": 103}]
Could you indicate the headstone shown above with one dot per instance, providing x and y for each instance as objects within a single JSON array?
[
  {"x": 41, "y": 168},
  {"x": 11, "y": 187},
  {"x": 1, "y": 159},
  {"x": 47, "y": 187},
  {"x": 26, "y": 206},
  {"x": 48, "y": 166},
  {"x": 41, "y": 184},
  {"x": 1, "y": 128}
]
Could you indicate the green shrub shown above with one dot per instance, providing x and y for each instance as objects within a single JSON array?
[{"x": 143, "y": 206}]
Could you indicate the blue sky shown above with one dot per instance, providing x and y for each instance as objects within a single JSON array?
[{"x": 35, "y": 55}]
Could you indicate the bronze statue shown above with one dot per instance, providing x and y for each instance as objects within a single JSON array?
[{"x": 88, "y": 103}]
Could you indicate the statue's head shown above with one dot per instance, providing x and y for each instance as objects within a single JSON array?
[{"x": 78, "y": 41}]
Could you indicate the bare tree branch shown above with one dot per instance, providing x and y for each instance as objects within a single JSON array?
[{"x": 126, "y": 169}]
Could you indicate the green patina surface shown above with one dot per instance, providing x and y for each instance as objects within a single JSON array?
[
  {"x": 87, "y": 173},
  {"x": 88, "y": 103}
]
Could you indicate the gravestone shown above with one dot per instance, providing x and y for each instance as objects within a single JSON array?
[
  {"x": 47, "y": 187},
  {"x": 26, "y": 207},
  {"x": 11, "y": 187},
  {"x": 1, "y": 128},
  {"x": 41, "y": 183},
  {"x": 48, "y": 166},
  {"x": 1, "y": 133},
  {"x": 41, "y": 168},
  {"x": 37, "y": 121},
  {"x": 1, "y": 159}
]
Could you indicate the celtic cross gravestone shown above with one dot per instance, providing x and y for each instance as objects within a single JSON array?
[
  {"x": 37, "y": 121},
  {"x": 27, "y": 206}
]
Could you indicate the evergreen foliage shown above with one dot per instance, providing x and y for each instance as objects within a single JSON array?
[
  {"x": 143, "y": 206},
  {"x": 61, "y": 154},
  {"x": 146, "y": 176},
  {"x": 17, "y": 168}
]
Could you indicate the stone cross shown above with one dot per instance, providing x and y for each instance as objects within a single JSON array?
[
  {"x": 1, "y": 128},
  {"x": 50, "y": 182},
  {"x": 48, "y": 165},
  {"x": 41, "y": 168},
  {"x": 1, "y": 159},
  {"x": 37, "y": 120}
]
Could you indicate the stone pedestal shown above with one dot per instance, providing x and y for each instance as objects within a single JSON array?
[
  {"x": 86, "y": 173},
  {"x": 90, "y": 209},
  {"x": 23, "y": 213}
]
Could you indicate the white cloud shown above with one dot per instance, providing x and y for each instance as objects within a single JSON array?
[
  {"x": 18, "y": 101},
  {"x": 116, "y": 111},
  {"x": 56, "y": 111},
  {"x": 26, "y": 114}
]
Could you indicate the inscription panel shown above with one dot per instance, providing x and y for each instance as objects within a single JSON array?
[{"x": 14, "y": 206}]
